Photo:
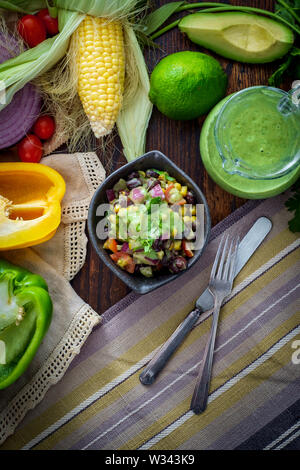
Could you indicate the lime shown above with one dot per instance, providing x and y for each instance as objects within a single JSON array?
[{"x": 185, "y": 85}]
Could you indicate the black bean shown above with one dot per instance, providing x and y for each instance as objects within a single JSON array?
[
  {"x": 157, "y": 245},
  {"x": 151, "y": 183},
  {"x": 152, "y": 173},
  {"x": 177, "y": 264},
  {"x": 134, "y": 183},
  {"x": 190, "y": 197},
  {"x": 132, "y": 175}
]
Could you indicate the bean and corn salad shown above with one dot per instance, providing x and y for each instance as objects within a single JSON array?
[{"x": 159, "y": 215}]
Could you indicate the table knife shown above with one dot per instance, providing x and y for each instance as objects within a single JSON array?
[{"x": 205, "y": 302}]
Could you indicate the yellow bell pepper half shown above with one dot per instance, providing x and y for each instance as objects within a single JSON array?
[{"x": 30, "y": 209}]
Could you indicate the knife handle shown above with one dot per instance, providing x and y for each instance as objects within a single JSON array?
[{"x": 149, "y": 374}]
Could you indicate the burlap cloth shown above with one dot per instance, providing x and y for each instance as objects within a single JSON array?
[{"x": 58, "y": 261}]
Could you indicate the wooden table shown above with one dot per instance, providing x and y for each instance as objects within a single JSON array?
[{"x": 179, "y": 141}]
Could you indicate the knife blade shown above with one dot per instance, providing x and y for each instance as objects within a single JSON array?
[
  {"x": 205, "y": 302},
  {"x": 247, "y": 247}
]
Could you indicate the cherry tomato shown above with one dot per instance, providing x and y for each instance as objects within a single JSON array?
[
  {"x": 30, "y": 149},
  {"x": 44, "y": 127},
  {"x": 51, "y": 24},
  {"x": 32, "y": 30}
]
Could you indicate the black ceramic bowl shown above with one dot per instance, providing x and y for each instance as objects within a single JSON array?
[{"x": 154, "y": 159}]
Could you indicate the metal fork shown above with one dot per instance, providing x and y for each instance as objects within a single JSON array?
[{"x": 220, "y": 285}]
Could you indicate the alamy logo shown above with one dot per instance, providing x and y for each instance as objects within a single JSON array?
[
  {"x": 296, "y": 354},
  {"x": 2, "y": 92},
  {"x": 158, "y": 222}
]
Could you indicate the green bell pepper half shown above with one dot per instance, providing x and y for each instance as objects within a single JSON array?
[{"x": 25, "y": 316}]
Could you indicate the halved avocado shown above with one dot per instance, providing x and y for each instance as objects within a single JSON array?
[{"x": 244, "y": 37}]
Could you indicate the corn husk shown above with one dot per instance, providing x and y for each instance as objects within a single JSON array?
[
  {"x": 135, "y": 114},
  {"x": 114, "y": 9},
  {"x": 23, "y": 6},
  {"x": 50, "y": 66},
  {"x": 16, "y": 72}
]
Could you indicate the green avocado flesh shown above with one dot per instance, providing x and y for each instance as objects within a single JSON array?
[{"x": 239, "y": 36}]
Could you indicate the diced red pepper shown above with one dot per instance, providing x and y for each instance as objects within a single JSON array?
[
  {"x": 124, "y": 260},
  {"x": 187, "y": 249},
  {"x": 181, "y": 202},
  {"x": 111, "y": 244},
  {"x": 168, "y": 191}
]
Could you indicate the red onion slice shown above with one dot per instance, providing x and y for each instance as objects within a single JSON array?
[{"x": 18, "y": 117}]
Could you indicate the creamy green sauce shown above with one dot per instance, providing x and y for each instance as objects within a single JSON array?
[
  {"x": 236, "y": 184},
  {"x": 260, "y": 135}
]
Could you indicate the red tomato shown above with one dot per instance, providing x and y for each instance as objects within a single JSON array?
[
  {"x": 32, "y": 30},
  {"x": 51, "y": 24},
  {"x": 44, "y": 127},
  {"x": 30, "y": 149},
  {"x": 124, "y": 260}
]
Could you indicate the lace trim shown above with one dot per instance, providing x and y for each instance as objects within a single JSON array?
[
  {"x": 94, "y": 174},
  {"x": 74, "y": 215},
  {"x": 51, "y": 371},
  {"x": 75, "y": 249}
]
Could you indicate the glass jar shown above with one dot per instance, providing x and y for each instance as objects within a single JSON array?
[{"x": 257, "y": 132}]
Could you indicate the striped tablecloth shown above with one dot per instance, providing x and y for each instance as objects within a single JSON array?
[{"x": 254, "y": 396}]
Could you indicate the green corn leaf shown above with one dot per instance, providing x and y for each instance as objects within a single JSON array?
[{"x": 154, "y": 20}]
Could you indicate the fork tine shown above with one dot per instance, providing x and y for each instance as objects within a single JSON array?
[
  {"x": 220, "y": 269},
  {"x": 215, "y": 265},
  {"x": 228, "y": 261},
  {"x": 233, "y": 260}
]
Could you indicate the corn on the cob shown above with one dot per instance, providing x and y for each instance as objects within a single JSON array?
[{"x": 100, "y": 61}]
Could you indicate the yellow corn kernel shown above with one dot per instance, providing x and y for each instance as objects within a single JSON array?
[
  {"x": 143, "y": 173},
  {"x": 194, "y": 210},
  {"x": 177, "y": 245},
  {"x": 174, "y": 232},
  {"x": 194, "y": 218},
  {"x": 100, "y": 62},
  {"x": 116, "y": 208},
  {"x": 171, "y": 246},
  {"x": 177, "y": 186},
  {"x": 187, "y": 218},
  {"x": 184, "y": 191}
]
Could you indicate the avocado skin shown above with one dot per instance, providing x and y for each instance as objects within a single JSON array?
[{"x": 225, "y": 32}]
